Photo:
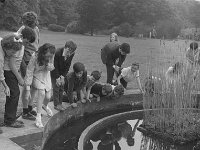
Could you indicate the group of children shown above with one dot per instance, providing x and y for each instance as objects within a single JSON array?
[{"x": 39, "y": 69}]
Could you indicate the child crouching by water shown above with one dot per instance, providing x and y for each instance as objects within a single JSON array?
[
  {"x": 101, "y": 90},
  {"x": 126, "y": 75},
  {"x": 38, "y": 77},
  {"x": 91, "y": 80},
  {"x": 75, "y": 81}
]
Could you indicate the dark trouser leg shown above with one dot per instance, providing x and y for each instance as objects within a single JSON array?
[
  {"x": 110, "y": 73},
  {"x": 57, "y": 93},
  {"x": 12, "y": 101},
  {"x": 123, "y": 82}
]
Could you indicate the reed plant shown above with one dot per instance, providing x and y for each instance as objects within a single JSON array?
[{"x": 173, "y": 102}]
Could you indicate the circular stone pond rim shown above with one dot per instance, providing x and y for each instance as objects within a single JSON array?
[{"x": 109, "y": 119}]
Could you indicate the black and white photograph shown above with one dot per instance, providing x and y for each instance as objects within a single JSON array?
[{"x": 99, "y": 75}]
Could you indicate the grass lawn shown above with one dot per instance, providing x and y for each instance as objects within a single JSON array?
[{"x": 145, "y": 51}]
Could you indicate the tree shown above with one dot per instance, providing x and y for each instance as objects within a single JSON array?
[
  {"x": 90, "y": 12},
  {"x": 195, "y": 14},
  {"x": 10, "y": 13}
]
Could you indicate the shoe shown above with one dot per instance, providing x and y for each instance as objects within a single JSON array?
[
  {"x": 83, "y": 101},
  {"x": 48, "y": 110},
  {"x": 74, "y": 105},
  {"x": 28, "y": 116},
  {"x": 21, "y": 122},
  {"x": 33, "y": 112},
  {"x": 15, "y": 125},
  {"x": 38, "y": 122},
  {"x": 59, "y": 108}
]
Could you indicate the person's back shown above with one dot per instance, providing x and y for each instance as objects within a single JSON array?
[{"x": 108, "y": 51}]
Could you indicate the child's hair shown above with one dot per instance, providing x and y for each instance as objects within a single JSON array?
[
  {"x": 29, "y": 34},
  {"x": 96, "y": 74},
  {"x": 136, "y": 64},
  {"x": 125, "y": 47},
  {"x": 29, "y": 19},
  {"x": 70, "y": 44},
  {"x": 193, "y": 45},
  {"x": 11, "y": 41},
  {"x": 115, "y": 35},
  {"x": 107, "y": 88},
  {"x": 119, "y": 89},
  {"x": 45, "y": 48},
  {"x": 78, "y": 67}
]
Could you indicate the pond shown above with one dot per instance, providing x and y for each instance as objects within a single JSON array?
[
  {"x": 118, "y": 134},
  {"x": 66, "y": 138}
]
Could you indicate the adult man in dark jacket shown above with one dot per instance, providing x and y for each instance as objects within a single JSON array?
[
  {"x": 62, "y": 63},
  {"x": 109, "y": 55}
]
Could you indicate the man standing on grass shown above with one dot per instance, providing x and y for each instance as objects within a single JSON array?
[{"x": 112, "y": 52}]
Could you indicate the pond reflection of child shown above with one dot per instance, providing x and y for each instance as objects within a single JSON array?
[
  {"x": 38, "y": 77},
  {"x": 101, "y": 90},
  {"x": 75, "y": 81},
  {"x": 127, "y": 132},
  {"x": 128, "y": 74}
]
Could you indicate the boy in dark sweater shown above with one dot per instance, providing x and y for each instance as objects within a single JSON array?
[
  {"x": 62, "y": 63},
  {"x": 75, "y": 81}
]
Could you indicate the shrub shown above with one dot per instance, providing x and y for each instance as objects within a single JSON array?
[
  {"x": 10, "y": 24},
  {"x": 125, "y": 29},
  {"x": 56, "y": 28},
  {"x": 168, "y": 28},
  {"x": 73, "y": 27}
]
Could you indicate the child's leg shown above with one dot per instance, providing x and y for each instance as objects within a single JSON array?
[
  {"x": 45, "y": 103},
  {"x": 27, "y": 105},
  {"x": 12, "y": 101},
  {"x": 40, "y": 99},
  {"x": 124, "y": 83}
]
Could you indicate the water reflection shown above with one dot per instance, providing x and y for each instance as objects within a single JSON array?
[{"x": 125, "y": 136}]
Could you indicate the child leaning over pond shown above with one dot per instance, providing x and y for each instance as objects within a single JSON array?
[
  {"x": 91, "y": 80},
  {"x": 75, "y": 81},
  {"x": 11, "y": 53},
  {"x": 126, "y": 75},
  {"x": 101, "y": 90},
  {"x": 38, "y": 77}
]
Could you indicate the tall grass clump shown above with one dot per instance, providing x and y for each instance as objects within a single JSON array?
[{"x": 172, "y": 104}]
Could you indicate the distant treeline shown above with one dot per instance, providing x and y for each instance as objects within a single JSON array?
[{"x": 126, "y": 17}]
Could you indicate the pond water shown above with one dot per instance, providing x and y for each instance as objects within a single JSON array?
[
  {"x": 123, "y": 135},
  {"x": 119, "y": 135},
  {"x": 66, "y": 138}
]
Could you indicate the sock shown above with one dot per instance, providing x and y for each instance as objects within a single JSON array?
[
  {"x": 25, "y": 110},
  {"x": 30, "y": 108}
]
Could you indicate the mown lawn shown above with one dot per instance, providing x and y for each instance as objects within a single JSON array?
[{"x": 150, "y": 53}]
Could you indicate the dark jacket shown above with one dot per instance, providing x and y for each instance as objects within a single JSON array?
[
  {"x": 61, "y": 65},
  {"x": 110, "y": 53},
  {"x": 72, "y": 83}
]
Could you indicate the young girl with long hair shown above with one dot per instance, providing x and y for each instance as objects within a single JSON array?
[{"x": 38, "y": 77}]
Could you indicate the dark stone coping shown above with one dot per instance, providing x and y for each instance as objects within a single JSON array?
[{"x": 127, "y": 101}]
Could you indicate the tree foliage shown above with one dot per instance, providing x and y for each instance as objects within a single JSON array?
[{"x": 93, "y": 15}]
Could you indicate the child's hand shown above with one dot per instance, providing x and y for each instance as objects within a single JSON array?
[
  {"x": 21, "y": 81},
  {"x": 58, "y": 83},
  {"x": 98, "y": 99},
  {"x": 89, "y": 100},
  {"x": 27, "y": 94},
  {"x": 7, "y": 91},
  {"x": 62, "y": 80}
]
